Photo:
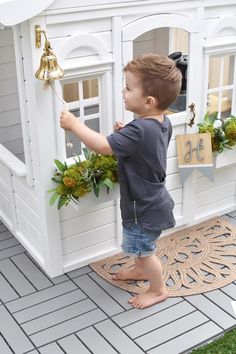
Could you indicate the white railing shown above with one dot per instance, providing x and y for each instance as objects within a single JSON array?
[{"x": 12, "y": 162}]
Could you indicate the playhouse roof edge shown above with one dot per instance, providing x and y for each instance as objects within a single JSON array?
[{"x": 11, "y": 10}]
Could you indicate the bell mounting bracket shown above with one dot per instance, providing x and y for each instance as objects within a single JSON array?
[{"x": 38, "y": 32}]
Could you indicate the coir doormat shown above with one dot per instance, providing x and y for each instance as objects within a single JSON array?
[{"x": 195, "y": 260}]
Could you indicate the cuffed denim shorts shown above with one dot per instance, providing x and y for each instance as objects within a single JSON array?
[{"x": 138, "y": 242}]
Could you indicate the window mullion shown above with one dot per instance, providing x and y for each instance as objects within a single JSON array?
[
  {"x": 233, "y": 108},
  {"x": 81, "y": 96},
  {"x": 221, "y": 85}
]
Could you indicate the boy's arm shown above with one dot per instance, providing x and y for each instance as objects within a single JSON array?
[{"x": 93, "y": 140}]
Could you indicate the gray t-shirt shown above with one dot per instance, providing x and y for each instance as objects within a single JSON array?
[{"x": 141, "y": 149}]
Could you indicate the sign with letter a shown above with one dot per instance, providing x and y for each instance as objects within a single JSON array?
[{"x": 194, "y": 152}]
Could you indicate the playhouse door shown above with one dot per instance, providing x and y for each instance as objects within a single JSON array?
[{"x": 176, "y": 35}]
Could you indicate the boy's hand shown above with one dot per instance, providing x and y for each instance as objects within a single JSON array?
[
  {"x": 67, "y": 120},
  {"x": 118, "y": 125}
]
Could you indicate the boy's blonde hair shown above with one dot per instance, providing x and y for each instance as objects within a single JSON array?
[{"x": 159, "y": 77}]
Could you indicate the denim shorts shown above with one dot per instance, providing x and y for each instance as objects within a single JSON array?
[{"x": 138, "y": 242}]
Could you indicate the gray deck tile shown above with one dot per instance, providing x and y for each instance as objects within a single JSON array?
[
  {"x": 59, "y": 279},
  {"x": 5, "y": 235},
  {"x": 12, "y": 251},
  {"x": 230, "y": 290},
  {"x": 98, "y": 344},
  {"x": 232, "y": 214},
  {"x": 117, "y": 338},
  {"x": 159, "y": 319},
  {"x": 71, "y": 326},
  {"x": 134, "y": 315},
  {"x": 59, "y": 316},
  {"x": 55, "y": 280},
  {"x": 230, "y": 219},
  {"x": 221, "y": 300},
  {"x": 10, "y": 242},
  {"x": 171, "y": 330},
  {"x": 116, "y": 293},
  {"x": 40, "y": 296},
  {"x": 4, "y": 348},
  {"x": 188, "y": 340},
  {"x": 31, "y": 271},
  {"x": 72, "y": 345},
  {"x": 69, "y": 314},
  {"x": 98, "y": 295},
  {"x": 49, "y": 306},
  {"x": 7, "y": 293},
  {"x": 17, "y": 280},
  {"x": 13, "y": 334},
  {"x": 215, "y": 313},
  {"x": 3, "y": 228},
  {"x": 78, "y": 272},
  {"x": 52, "y": 348}
]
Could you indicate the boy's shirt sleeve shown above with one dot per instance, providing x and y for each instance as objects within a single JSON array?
[{"x": 125, "y": 142}]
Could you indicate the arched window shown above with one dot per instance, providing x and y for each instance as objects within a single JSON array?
[{"x": 86, "y": 86}]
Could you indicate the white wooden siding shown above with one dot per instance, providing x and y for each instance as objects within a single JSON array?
[
  {"x": 218, "y": 197},
  {"x": 19, "y": 208},
  {"x": 86, "y": 230},
  {"x": 10, "y": 129},
  {"x": 6, "y": 206}
]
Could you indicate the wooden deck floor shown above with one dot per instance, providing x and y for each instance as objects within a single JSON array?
[{"x": 80, "y": 313}]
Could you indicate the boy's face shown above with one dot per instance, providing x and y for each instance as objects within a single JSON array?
[{"x": 133, "y": 94}]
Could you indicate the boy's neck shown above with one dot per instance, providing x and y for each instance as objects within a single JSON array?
[{"x": 157, "y": 115}]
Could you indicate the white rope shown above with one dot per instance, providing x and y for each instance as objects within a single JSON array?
[{"x": 69, "y": 144}]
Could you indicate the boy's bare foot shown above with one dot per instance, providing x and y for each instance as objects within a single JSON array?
[
  {"x": 146, "y": 299},
  {"x": 130, "y": 274}
]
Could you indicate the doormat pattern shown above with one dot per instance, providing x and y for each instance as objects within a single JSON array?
[{"x": 195, "y": 260}]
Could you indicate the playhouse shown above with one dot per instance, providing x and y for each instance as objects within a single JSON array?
[{"x": 92, "y": 41}]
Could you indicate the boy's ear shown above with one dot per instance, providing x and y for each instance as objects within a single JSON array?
[{"x": 150, "y": 102}]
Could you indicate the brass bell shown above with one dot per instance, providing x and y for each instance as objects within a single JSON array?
[{"x": 49, "y": 68}]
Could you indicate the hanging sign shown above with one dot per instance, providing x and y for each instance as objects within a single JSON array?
[{"x": 194, "y": 152}]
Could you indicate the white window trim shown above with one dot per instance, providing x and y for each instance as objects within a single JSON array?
[
  {"x": 102, "y": 70},
  {"x": 220, "y": 51}
]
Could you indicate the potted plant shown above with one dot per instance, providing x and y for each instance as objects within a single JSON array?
[
  {"x": 73, "y": 182},
  {"x": 223, "y": 137}
]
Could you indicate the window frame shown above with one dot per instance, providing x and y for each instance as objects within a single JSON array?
[
  {"x": 220, "y": 52},
  {"x": 103, "y": 72}
]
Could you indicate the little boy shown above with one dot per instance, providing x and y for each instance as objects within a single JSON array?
[{"x": 152, "y": 83}]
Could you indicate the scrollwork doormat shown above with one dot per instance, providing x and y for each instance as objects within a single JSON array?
[{"x": 195, "y": 260}]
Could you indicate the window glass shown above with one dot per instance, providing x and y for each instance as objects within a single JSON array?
[
  {"x": 226, "y": 103},
  {"x": 83, "y": 100},
  {"x": 71, "y": 92},
  {"x": 173, "y": 42},
  {"x": 90, "y": 88},
  {"x": 93, "y": 124},
  {"x": 228, "y": 70},
  {"x": 214, "y": 72},
  {"x": 212, "y": 103},
  {"x": 220, "y": 84}
]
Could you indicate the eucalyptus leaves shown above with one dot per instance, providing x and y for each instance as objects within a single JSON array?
[
  {"x": 223, "y": 131},
  {"x": 79, "y": 179}
]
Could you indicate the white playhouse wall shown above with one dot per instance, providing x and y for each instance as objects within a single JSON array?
[
  {"x": 10, "y": 119},
  {"x": 90, "y": 38}
]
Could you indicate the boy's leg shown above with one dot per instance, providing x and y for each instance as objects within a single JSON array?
[
  {"x": 136, "y": 273},
  {"x": 153, "y": 271}
]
